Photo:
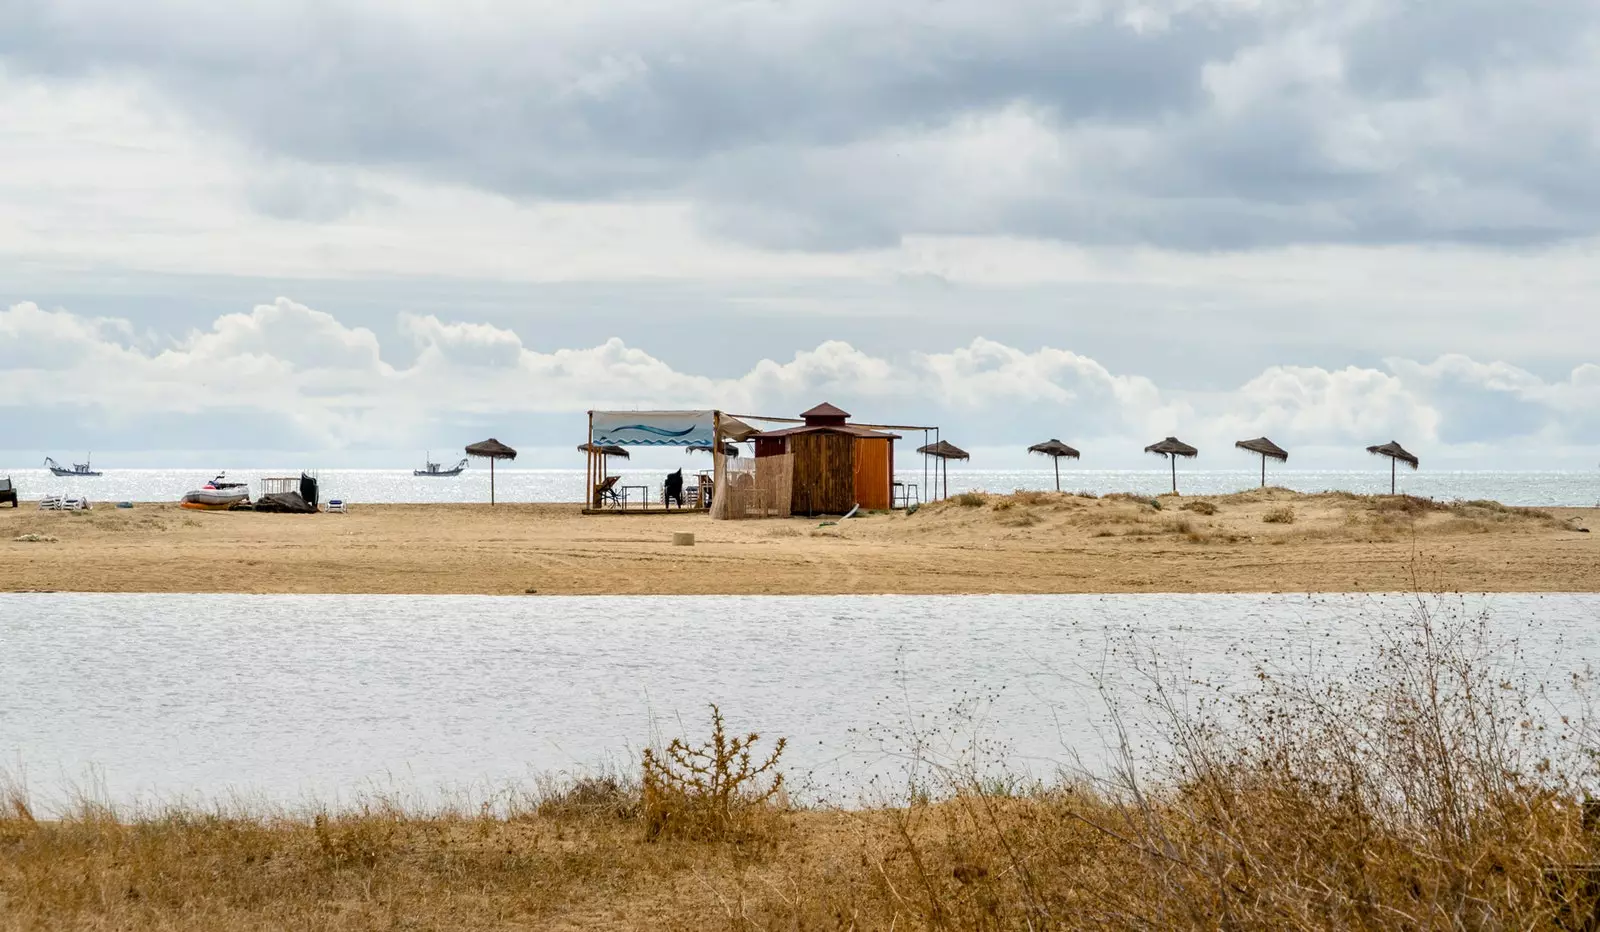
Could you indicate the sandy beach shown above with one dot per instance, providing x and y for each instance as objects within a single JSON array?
[{"x": 1270, "y": 540}]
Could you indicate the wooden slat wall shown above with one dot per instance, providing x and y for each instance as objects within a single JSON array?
[
  {"x": 872, "y": 477},
  {"x": 824, "y": 473}
]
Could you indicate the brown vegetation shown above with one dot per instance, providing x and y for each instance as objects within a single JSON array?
[{"x": 1423, "y": 790}]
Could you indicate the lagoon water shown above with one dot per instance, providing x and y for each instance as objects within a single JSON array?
[
  {"x": 286, "y": 699},
  {"x": 566, "y": 485}
]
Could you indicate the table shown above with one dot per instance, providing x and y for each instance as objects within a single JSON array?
[{"x": 644, "y": 495}]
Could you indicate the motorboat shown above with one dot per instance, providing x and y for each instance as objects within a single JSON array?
[
  {"x": 214, "y": 499},
  {"x": 78, "y": 469},
  {"x": 435, "y": 469}
]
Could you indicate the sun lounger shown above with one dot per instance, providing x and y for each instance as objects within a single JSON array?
[
  {"x": 605, "y": 494},
  {"x": 336, "y": 506},
  {"x": 63, "y": 503}
]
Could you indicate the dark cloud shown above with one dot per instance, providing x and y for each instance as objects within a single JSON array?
[{"x": 817, "y": 125}]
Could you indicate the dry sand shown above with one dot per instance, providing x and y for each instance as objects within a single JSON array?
[{"x": 1030, "y": 542}]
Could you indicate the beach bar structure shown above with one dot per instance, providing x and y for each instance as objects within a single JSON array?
[
  {"x": 835, "y": 465},
  {"x": 818, "y": 463}
]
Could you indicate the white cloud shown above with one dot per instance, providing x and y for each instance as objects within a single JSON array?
[{"x": 323, "y": 379}]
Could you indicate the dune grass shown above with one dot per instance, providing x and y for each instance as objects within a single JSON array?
[{"x": 1428, "y": 787}]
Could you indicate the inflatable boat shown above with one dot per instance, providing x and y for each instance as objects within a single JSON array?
[{"x": 214, "y": 499}]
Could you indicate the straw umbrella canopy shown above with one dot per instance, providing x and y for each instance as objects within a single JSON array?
[
  {"x": 1396, "y": 454},
  {"x": 1172, "y": 448},
  {"x": 728, "y": 449},
  {"x": 605, "y": 450},
  {"x": 491, "y": 450},
  {"x": 944, "y": 451},
  {"x": 1268, "y": 450},
  {"x": 1054, "y": 449}
]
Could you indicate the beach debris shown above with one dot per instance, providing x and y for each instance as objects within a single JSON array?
[
  {"x": 682, "y": 539},
  {"x": 35, "y": 539},
  {"x": 911, "y": 509},
  {"x": 530, "y": 592},
  {"x": 124, "y": 504}
]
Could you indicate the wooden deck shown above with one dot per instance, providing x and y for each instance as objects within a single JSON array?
[{"x": 652, "y": 510}]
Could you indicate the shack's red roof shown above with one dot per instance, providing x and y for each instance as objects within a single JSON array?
[
  {"x": 850, "y": 429},
  {"x": 825, "y": 410}
]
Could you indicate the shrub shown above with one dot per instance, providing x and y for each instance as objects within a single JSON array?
[
  {"x": 1200, "y": 507},
  {"x": 1406, "y": 504},
  {"x": 710, "y": 790},
  {"x": 969, "y": 499},
  {"x": 589, "y": 796},
  {"x": 1283, "y": 514}
]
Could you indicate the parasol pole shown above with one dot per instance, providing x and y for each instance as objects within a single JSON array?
[
  {"x": 491, "y": 481},
  {"x": 1263, "y": 470},
  {"x": 1391, "y": 475},
  {"x": 1173, "y": 459},
  {"x": 1057, "y": 461}
]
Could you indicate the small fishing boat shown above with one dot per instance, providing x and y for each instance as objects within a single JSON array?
[
  {"x": 221, "y": 482},
  {"x": 435, "y": 469},
  {"x": 214, "y": 499},
  {"x": 78, "y": 469}
]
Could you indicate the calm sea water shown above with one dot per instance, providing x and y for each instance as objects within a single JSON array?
[
  {"x": 566, "y": 485},
  {"x": 285, "y": 699}
]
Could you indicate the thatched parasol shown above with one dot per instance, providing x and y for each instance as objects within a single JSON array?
[
  {"x": 1172, "y": 448},
  {"x": 605, "y": 450},
  {"x": 945, "y": 451},
  {"x": 1054, "y": 449},
  {"x": 1396, "y": 453},
  {"x": 491, "y": 450},
  {"x": 1268, "y": 450},
  {"x": 728, "y": 449}
]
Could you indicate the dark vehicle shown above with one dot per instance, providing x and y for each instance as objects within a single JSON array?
[{"x": 8, "y": 492}]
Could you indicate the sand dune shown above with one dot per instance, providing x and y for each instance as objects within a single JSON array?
[{"x": 1028, "y": 542}]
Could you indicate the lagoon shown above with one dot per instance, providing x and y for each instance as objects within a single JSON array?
[{"x": 285, "y": 699}]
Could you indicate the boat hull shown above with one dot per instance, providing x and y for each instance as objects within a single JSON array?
[
  {"x": 68, "y": 473},
  {"x": 214, "y": 499},
  {"x": 441, "y": 474}
]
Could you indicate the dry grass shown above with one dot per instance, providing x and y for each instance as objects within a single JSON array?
[
  {"x": 1424, "y": 789},
  {"x": 1200, "y": 507},
  {"x": 1283, "y": 514}
]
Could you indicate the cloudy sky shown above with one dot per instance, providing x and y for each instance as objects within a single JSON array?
[{"x": 354, "y": 230}]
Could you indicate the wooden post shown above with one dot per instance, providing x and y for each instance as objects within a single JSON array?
[
  {"x": 1173, "y": 457},
  {"x": 1263, "y": 470},
  {"x": 718, "y": 469},
  {"x": 588, "y": 467},
  {"x": 491, "y": 480},
  {"x": 1391, "y": 475},
  {"x": 1057, "y": 461}
]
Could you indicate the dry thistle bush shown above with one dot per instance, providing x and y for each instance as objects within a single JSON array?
[
  {"x": 1200, "y": 507},
  {"x": 1283, "y": 514},
  {"x": 970, "y": 499},
  {"x": 713, "y": 791}
]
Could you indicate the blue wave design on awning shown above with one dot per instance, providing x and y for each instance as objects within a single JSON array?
[{"x": 656, "y": 430}]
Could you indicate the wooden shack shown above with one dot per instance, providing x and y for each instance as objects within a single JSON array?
[{"x": 836, "y": 465}]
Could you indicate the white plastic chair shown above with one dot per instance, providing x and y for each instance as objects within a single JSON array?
[{"x": 336, "y": 506}]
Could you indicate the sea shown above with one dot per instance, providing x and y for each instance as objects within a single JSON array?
[
  {"x": 1575, "y": 488},
  {"x": 292, "y": 701}
]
